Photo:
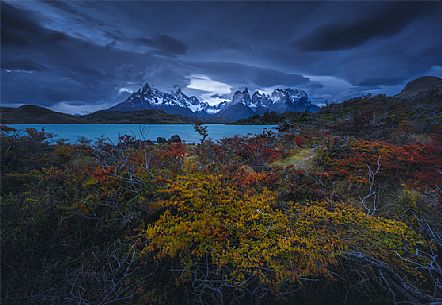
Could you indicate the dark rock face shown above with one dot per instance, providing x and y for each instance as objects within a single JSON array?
[
  {"x": 235, "y": 112},
  {"x": 161, "y": 140},
  {"x": 175, "y": 139}
]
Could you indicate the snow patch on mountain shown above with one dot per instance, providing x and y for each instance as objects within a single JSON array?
[{"x": 241, "y": 104}]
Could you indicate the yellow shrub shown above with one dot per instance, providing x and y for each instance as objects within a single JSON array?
[{"x": 249, "y": 235}]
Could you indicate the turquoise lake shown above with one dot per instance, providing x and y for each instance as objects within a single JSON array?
[{"x": 72, "y": 132}]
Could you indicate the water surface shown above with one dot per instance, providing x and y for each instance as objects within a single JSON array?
[{"x": 72, "y": 132}]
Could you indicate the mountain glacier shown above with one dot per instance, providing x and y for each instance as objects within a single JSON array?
[{"x": 242, "y": 105}]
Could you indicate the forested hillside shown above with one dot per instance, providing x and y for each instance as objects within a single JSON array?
[{"x": 31, "y": 114}]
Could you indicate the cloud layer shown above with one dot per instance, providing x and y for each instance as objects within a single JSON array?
[{"x": 83, "y": 56}]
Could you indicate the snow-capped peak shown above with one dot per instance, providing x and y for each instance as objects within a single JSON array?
[{"x": 176, "y": 102}]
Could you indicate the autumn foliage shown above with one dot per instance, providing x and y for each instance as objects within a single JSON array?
[
  {"x": 307, "y": 216},
  {"x": 249, "y": 237},
  {"x": 415, "y": 164}
]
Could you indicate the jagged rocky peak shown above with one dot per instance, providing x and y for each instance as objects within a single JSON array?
[
  {"x": 296, "y": 94},
  {"x": 278, "y": 95},
  {"x": 176, "y": 90},
  {"x": 241, "y": 97},
  {"x": 240, "y": 106},
  {"x": 258, "y": 94},
  {"x": 145, "y": 90},
  {"x": 280, "y": 100},
  {"x": 260, "y": 101}
]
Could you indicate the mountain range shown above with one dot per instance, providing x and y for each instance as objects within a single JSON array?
[
  {"x": 149, "y": 106},
  {"x": 242, "y": 104}
]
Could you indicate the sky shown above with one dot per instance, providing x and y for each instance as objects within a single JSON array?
[{"x": 83, "y": 56}]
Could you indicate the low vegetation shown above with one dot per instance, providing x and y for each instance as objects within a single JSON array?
[{"x": 347, "y": 213}]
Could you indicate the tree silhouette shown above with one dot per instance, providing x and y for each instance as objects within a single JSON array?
[{"x": 202, "y": 130}]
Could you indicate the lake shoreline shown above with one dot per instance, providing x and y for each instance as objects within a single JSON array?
[
  {"x": 86, "y": 123},
  {"x": 74, "y": 132}
]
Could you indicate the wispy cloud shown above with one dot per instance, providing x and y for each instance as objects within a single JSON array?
[{"x": 211, "y": 89}]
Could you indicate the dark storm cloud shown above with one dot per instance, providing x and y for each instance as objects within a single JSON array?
[
  {"x": 165, "y": 44},
  {"x": 20, "y": 29},
  {"x": 17, "y": 29},
  {"x": 66, "y": 7},
  {"x": 73, "y": 69},
  {"x": 349, "y": 35},
  {"x": 35, "y": 89},
  {"x": 22, "y": 63},
  {"x": 245, "y": 75},
  {"x": 394, "y": 80},
  {"x": 93, "y": 53}
]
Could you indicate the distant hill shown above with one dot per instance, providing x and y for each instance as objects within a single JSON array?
[
  {"x": 31, "y": 114},
  {"x": 417, "y": 109},
  {"x": 421, "y": 87},
  {"x": 136, "y": 117},
  {"x": 275, "y": 118}
]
